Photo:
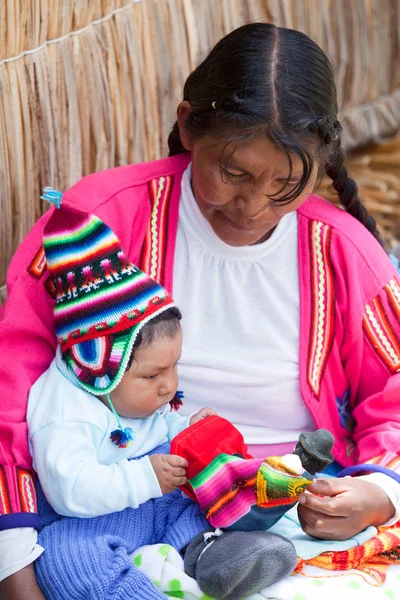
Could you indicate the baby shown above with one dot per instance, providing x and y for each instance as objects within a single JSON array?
[{"x": 119, "y": 343}]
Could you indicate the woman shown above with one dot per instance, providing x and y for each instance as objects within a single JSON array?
[{"x": 290, "y": 304}]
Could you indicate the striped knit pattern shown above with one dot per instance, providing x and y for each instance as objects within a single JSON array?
[
  {"x": 372, "y": 558},
  {"x": 277, "y": 485},
  {"x": 229, "y": 486},
  {"x": 102, "y": 299}
]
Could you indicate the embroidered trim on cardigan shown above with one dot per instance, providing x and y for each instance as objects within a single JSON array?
[
  {"x": 154, "y": 247},
  {"x": 38, "y": 265},
  {"x": 392, "y": 290},
  {"x": 5, "y": 502},
  {"x": 27, "y": 492},
  {"x": 380, "y": 332},
  {"x": 393, "y": 463},
  {"x": 322, "y": 304}
]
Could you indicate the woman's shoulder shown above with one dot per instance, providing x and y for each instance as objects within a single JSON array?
[
  {"x": 98, "y": 188},
  {"x": 351, "y": 245}
]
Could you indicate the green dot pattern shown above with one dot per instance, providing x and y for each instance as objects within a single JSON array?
[
  {"x": 137, "y": 560},
  {"x": 174, "y": 585},
  {"x": 299, "y": 596},
  {"x": 164, "y": 549}
]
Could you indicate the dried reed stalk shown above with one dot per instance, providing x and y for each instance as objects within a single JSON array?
[{"x": 89, "y": 94}]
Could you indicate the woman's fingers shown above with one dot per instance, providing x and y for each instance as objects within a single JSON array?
[
  {"x": 329, "y": 487},
  {"x": 322, "y": 526},
  {"x": 338, "y": 506},
  {"x": 343, "y": 508}
]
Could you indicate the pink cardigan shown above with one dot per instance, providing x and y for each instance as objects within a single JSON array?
[{"x": 349, "y": 352}]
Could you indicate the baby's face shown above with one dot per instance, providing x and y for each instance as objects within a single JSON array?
[{"x": 152, "y": 380}]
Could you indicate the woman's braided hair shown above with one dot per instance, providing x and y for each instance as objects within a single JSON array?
[{"x": 266, "y": 79}]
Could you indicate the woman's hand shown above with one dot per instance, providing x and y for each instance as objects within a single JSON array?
[
  {"x": 202, "y": 414},
  {"x": 21, "y": 585},
  {"x": 170, "y": 471},
  {"x": 347, "y": 506}
]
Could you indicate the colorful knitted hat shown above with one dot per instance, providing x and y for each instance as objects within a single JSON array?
[{"x": 102, "y": 299}]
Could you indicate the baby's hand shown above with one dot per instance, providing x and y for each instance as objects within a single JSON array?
[
  {"x": 170, "y": 471},
  {"x": 337, "y": 509},
  {"x": 202, "y": 414}
]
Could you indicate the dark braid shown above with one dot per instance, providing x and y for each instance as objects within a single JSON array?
[
  {"x": 174, "y": 141},
  {"x": 329, "y": 135},
  {"x": 347, "y": 190}
]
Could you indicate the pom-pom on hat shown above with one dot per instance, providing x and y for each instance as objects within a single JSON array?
[{"x": 102, "y": 299}]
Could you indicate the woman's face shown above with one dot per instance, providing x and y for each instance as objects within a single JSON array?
[{"x": 233, "y": 197}]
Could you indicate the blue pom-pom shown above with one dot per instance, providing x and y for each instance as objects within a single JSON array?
[
  {"x": 122, "y": 437},
  {"x": 52, "y": 196},
  {"x": 177, "y": 400}
]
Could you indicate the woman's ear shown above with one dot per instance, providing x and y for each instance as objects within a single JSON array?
[{"x": 184, "y": 110}]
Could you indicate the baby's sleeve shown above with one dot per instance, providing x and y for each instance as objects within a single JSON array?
[
  {"x": 64, "y": 438},
  {"x": 175, "y": 423}
]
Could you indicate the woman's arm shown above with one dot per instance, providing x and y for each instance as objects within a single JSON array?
[
  {"x": 27, "y": 344},
  {"x": 372, "y": 367},
  {"x": 371, "y": 359},
  {"x": 18, "y": 549},
  {"x": 21, "y": 585}
]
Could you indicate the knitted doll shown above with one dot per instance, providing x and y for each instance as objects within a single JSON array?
[{"x": 237, "y": 492}]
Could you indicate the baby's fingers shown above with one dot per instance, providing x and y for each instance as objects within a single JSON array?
[
  {"x": 178, "y": 472},
  {"x": 178, "y": 481},
  {"x": 177, "y": 461}
]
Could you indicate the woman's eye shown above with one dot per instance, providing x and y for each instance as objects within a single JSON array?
[
  {"x": 287, "y": 183},
  {"x": 231, "y": 175},
  {"x": 150, "y": 377}
]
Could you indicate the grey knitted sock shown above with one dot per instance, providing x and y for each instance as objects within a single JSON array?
[{"x": 238, "y": 563}]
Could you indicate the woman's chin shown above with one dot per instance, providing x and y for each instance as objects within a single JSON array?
[{"x": 238, "y": 239}]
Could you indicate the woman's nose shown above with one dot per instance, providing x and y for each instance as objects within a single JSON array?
[{"x": 252, "y": 207}]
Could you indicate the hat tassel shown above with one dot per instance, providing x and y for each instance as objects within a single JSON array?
[
  {"x": 52, "y": 196},
  {"x": 121, "y": 437},
  {"x": 177, "y": 400}
]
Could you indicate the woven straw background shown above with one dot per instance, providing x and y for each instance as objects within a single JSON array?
[{"x": 89, "y": 84}]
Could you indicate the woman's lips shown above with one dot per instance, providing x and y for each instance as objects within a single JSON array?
[{"x": 237, "y": 225}]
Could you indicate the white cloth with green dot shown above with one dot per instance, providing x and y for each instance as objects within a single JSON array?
[{"x": 164, "y": 566}]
